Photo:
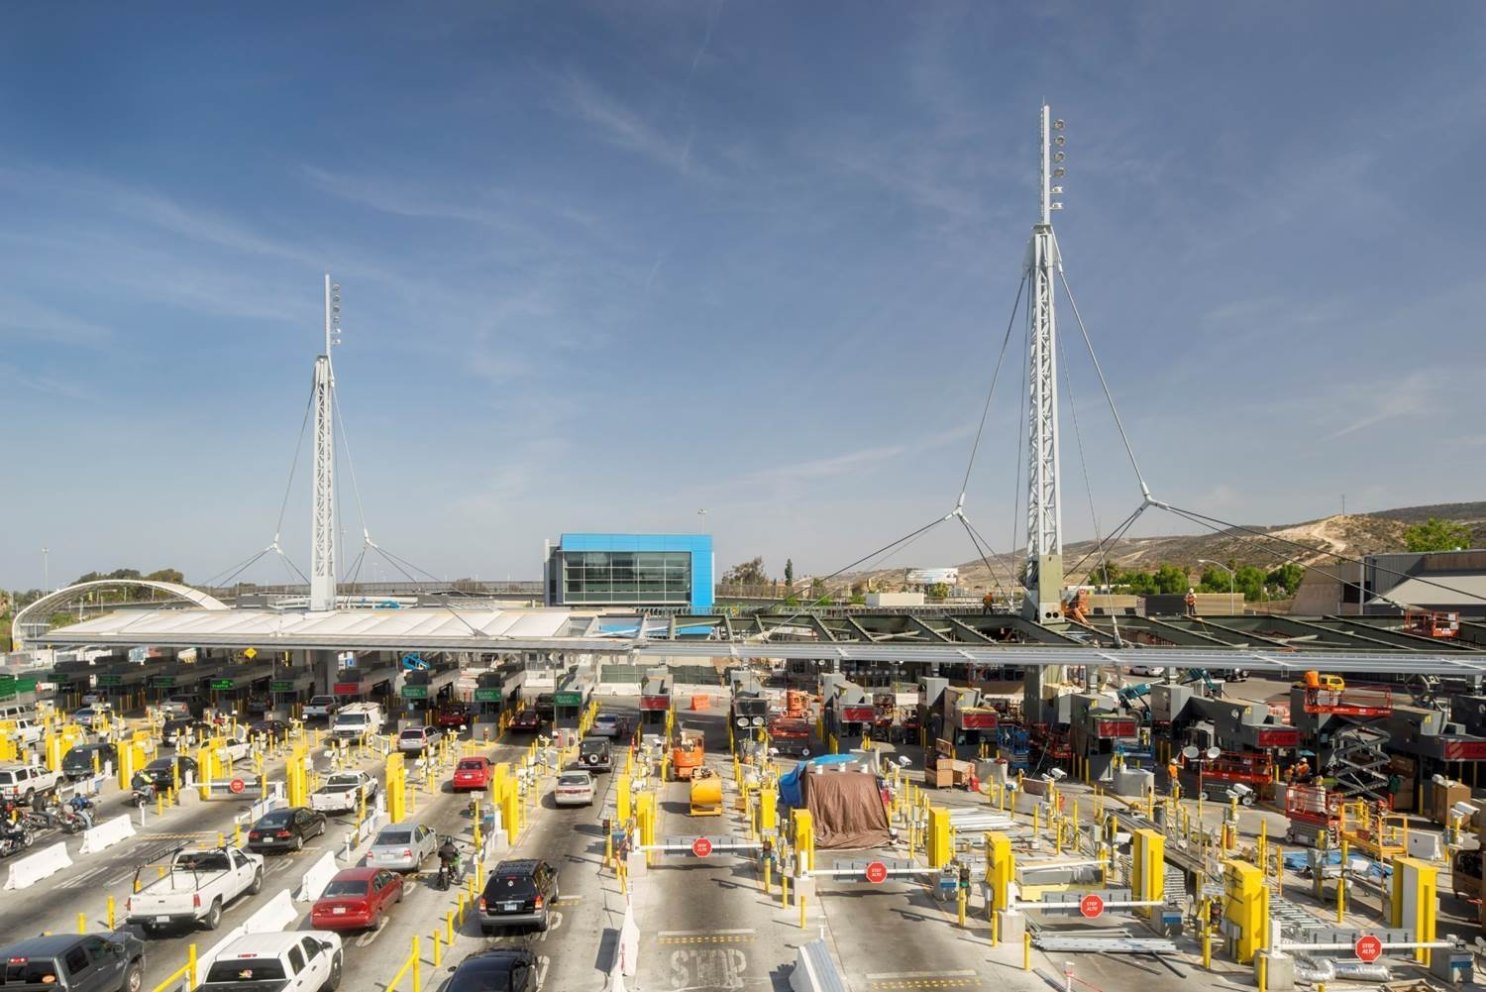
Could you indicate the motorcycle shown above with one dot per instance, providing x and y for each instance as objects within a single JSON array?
[
  {"x": 451, "y": 872},
  {"x": 13, "y": 840},
  {"x": 76, "y": 815}
]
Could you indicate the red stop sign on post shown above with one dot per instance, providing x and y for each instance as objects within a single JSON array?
[
  {"x": 1091, "y": 905},
  {"x": 877, "y": 873},
  {"x": 701, "y": 847},
  {"x": 1368, "y": 948},
  {"x": 236, "y": 786}
]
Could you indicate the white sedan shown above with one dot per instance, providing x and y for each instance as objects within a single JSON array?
[
  {"x": 574, "y": 789},
  {"x": 1147, "y": 670},
  {"x": 605, "y": 725}
]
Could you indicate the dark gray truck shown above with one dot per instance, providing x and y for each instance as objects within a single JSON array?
[{"x": 78, "y": 962}]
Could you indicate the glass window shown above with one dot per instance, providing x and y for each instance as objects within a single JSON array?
[
  {"x": 311, "y": 947},
  {"x": 76, "y": 961},
  {"x": 296, "y": 959}
]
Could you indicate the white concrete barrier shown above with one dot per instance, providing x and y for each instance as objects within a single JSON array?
[
  {"x": 107, "y": 834},
  {"x": 34, "y": 867},
  {"x": 629, "y": 943},
  {"x": 275, "y": 915},
  {"x": 815, "y": 970},
  {"x": 315, "y": 880}
]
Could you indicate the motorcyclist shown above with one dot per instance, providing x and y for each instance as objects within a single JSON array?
[
  {"x": 448, "y": 863},
  {"x": 82, "y": 808}
]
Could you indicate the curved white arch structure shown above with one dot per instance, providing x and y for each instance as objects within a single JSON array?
[{"x": 43, "y": 607}]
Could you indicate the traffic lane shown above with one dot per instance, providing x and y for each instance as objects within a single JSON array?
[
  {"x": 870, "y": 925},
  {"x": 372, "y": 957},
  {"x": 54, "y": 902},
  {"x": 707, "y": 923}
]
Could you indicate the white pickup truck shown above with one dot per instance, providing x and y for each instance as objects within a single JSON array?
[
  {"x": 342, "y": 792},
  {"x": 199, "y": 883}
]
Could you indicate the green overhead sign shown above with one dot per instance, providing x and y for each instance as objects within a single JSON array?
[
  {"x": 415, "y": 692},
  {"x": 487, "y": 695},
  {"x": 224, "y": 685},
  {"x": 108, "y": 680},
  {"x": 162, "y": 681},
  {"x": 568, "y": 699},
  {"x": 281, "y": 686}
]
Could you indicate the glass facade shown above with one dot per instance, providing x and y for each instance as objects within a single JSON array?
[{"x": 661, "y": 578}]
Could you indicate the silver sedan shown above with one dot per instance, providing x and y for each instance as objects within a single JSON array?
[{"x": 402, "y": 847}]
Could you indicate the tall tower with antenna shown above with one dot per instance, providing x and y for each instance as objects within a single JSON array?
[
  {"x": 1044, "y": 566},
  {"x": 322, "y": 522}
]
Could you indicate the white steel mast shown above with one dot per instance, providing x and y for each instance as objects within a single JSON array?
[
  {"x": 1044, "y": 566},
  {"x": 322, "y": 522}
]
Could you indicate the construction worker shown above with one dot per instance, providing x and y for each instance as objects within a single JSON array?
[
  {"x": 1191, "y": 602},
  {"x": 987, "y": 601}
]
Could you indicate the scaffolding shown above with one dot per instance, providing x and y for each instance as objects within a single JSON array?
[{"x": 1374, "y": 829}]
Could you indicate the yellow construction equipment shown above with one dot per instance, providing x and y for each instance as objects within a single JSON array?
[
  {"x": 706, "y": 792},
  {"x": 687, "y": 754},
  {"x": 1316, "y": 680}
]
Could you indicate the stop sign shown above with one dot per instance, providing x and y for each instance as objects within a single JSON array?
[
  {"x": 1368, "y": 948},
  {"x": 236, "y": 785},
  {"x": 1091, "y": 905},
  {"x": 701, "y": 847},
  {"x": 876, "y": 872}
]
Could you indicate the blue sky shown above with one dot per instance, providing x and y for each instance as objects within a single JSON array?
[{"x": 605, "y": 265}]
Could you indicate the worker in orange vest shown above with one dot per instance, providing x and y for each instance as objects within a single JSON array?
[
  {"x": 1191, "y": 602},
  {"x": 986, "y": 602}
]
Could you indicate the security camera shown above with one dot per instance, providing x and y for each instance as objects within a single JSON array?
[
  {"x": 1239, "y": 791},
  {"x": 1057, "y": 774},
  {"x": 904, "y": 761}
]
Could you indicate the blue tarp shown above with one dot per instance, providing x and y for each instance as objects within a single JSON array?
[
  {"x": 790, "y": 795},
  {"x": 1296, "y": 860}
]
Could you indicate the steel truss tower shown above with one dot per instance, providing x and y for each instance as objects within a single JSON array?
[
  {"x": 1044, "y": 566},
  {"x": 322, "y": 523}
]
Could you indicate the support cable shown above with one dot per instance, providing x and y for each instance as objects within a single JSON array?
[
  {"x": 1145, "y": 490},
  {"x": 1083, "y": 461},
  {"x": 995, "y": 375},
  {"x": 398, "y": 563},
  {"x": 278, "y": 527}
]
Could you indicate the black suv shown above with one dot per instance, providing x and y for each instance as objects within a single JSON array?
[
  {"x": 77, "y": 763},
  {"x": 596, "y": 754},
  {"x": 78, "y": 962},
  {"x": 506, "y": 968},
  {"x": 518, "y": 892}
]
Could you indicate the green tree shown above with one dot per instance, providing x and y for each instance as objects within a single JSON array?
[
  {"x": 789, "y": 572},
  {"x": 1286, "y": 578},
  {"x": 167, "y": 575},
  {"x": 939, "y": 592},
  {"x": 1437, "y": 535},
  {"x": 748, "y": 573},
  {"x": 1170, "y": 579}
]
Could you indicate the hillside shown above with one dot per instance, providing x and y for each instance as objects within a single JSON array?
[{"x": 1310, "y": 542}]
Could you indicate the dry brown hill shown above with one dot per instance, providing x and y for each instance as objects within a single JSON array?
[{"x": 1311, "y": 542}]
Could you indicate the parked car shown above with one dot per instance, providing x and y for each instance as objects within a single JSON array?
[
  {"x": 343, "y": 792},
  {"x": 505, "y": 968},
  {"x": 85, "y": 760},
  {"x": 453, "y": 716},
  {"x": 526, "y": 722},
  {"x": 605, "y": 725},
  {"x": 1147, "y": 670},
  {"x": 286, "y": 829},
  {"x": 518, "y": 893},
  {"x": 402, "y": 847},
  {"x": 414, "y": 740},
  {"x": 573, "y": 789},
  {"x": 194, "y": 888},
  {"x": 24, "y": 730},
  {"x": 74, "y": 962},
  {"x": 472, "y": 773},
  {"x": 596, "y": 754},
  {"x": 357, "y": 899},
  {"x": 24, "y": 783},
  {"x": 277, "y": 961},
  {"x": 91, "y": 717},
  {"x": 321, "y": 708}
]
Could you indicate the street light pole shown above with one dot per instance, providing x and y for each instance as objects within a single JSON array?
[
  {"x": 1231, "y": 577},
  {"x": 46, "y": 569}
]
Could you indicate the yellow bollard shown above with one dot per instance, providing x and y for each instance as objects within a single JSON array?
[
  {"x": 1026, "y": 952},
  {"x": 191, "y": 966},
  {"x": 623, "y": 879},
  {"x": 768, "y": 880},
  {"x": 801, "y": 901},
  {"x": 961, "y": 903},
  {"x": 1207, "y": 949},
  {"x": 1263, "y": 973},
  {"x": 449, "y": 928},
  {"x": 438, "y": 948},
  {"x": 417, "y": 966},
  {"x": 783, "y": 891},
  {"x": 82, "y": 922},
  {"x": 995, "y": 926},
  {"x": 159, "y": 804},
  {"x": 111, "y": 912}
]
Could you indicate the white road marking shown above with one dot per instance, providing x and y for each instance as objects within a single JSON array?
[
  {"x": 889, "y": 976},
  {"x": 704, "y": 933},
  {"x": 552, "y": 925},
  {"x": 543, "y": 961},
  {"x": 366, "y": 939}
]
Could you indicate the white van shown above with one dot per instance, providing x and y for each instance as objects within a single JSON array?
[{"x": 357, "y": 721}]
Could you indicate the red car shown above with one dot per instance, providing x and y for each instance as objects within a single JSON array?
[
  {"x": 472, "y": 773},
  {"x": 526, "y": 722},
  {"x": 356, "y": 899},
  {"x": 454, "y": 716}
]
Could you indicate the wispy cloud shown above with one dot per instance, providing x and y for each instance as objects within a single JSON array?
[
  {"x": 620, "y": 125},
  {"x": 1408, "y": 397},
  {"x": 22, "y": 317}
]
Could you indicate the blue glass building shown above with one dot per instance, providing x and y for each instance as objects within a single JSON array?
[{"x": 665, "y": 570}]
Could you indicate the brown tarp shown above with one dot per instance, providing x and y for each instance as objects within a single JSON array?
[{"x": 847, "y": 809}]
